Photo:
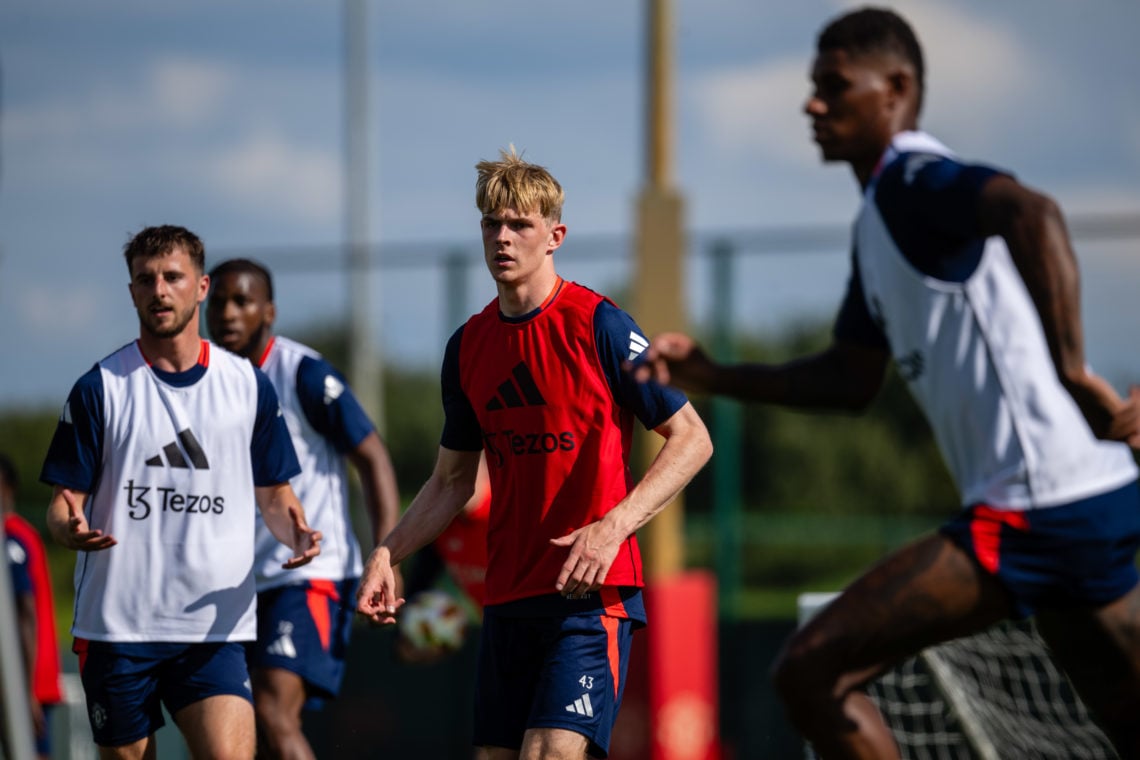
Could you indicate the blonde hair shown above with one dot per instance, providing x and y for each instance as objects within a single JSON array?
[{"x": 511, "y": 182}]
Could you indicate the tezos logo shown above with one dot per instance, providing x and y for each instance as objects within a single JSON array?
[
  {"x": 525, "y": 444},
  {"x": 142, "y": 500}
]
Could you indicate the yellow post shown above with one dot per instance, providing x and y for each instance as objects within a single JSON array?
[{"x": 658, "y": 292}]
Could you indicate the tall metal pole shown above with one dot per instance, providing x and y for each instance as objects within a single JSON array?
[
  {"x": 726, "y": 440},
  {"x": 658, "y": 293},
  {"x": 364, "y": 361}
]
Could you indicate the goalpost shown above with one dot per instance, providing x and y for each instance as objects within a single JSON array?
[{"x": 994, "y": 695}]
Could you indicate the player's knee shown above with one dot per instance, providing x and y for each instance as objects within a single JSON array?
[{"x": 275, "y": 720}]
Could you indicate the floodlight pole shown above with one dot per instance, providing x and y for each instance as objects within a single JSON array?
[
  {"x": 658, "y": 292},
  {"x": 365, "y": 373}
]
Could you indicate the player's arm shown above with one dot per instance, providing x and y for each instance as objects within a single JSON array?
[
  {"x": 371, "y": 460},
  {"x": 846, "y": 375},
  {"x": 67, "y": 522},
  {"x": 26, "y": 623},
  {"x": 285, "y": 518},
  {"x": 274, "y": 462},
  {"x": 445, "y": 493},
  {"x": 333, "y": 410},
  {"x": 1033, "y": 228},
  {"x": 73, "y": 465},
  {"x": 593, "y": 548}
]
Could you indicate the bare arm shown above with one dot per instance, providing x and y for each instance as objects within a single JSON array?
[
  {"x": 373, "y": 464},
  {"x": 1034, "y": 231},
  {"x": 68, "y": 526},
  {"x": 285, "y": 518},
  {"x": 843, "y": 376},
  {"x": 445, "y": 493},
  {"x": 26, "y": 617},
  {"x": 593, "y": 547}
]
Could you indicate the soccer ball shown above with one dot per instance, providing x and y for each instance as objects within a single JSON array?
[{"x": 433, "y": 619}]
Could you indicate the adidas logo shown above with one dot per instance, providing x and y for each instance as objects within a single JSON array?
[
  {"x": 581, "y": 706},
  {"x": 522, "y": 391},
  {"x": 283, "y": 646},
  {"x": 175, "y": 458},
  {"x": 637, "y": 344}
]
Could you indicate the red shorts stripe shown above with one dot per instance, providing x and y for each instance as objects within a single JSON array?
[
  {"x": 317, "y": 597},
  {"x": 79, "y": 646},
  {"x": 611, "y": 600},
  {"x": 613, "y": 654},
  {"x": 985, "y": 530}
]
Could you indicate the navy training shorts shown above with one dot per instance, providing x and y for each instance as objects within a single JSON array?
[{"x": 1080, "y": 554}]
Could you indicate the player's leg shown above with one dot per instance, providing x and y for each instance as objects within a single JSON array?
[
  {"x": 579, "y": 689},
  {"x": 929, "y": 591},
  {"x": 553, "y": 744},
  {"x": 278, "y": 697},
  {"x": 510, "y": 656},
  {"x": 143, "y": 749},
  {"x": 298, "y": 659},
  {"x": 219, "y": 727},
  {"x": 205, "y": 687},
  {"x": 1094, "y": 633},
  {"x": 1100, "y": 652}
]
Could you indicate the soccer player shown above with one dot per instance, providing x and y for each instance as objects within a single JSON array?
[
  {"x": 36, "y": 610},
  {"x": 304, "y": 617},
  {"x": 966, "y": 278},
  {"x": 162, "y": 452},
  {"x": 535, "y": 382}
]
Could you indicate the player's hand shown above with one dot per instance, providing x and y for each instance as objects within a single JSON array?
[
  {"x": 673, "y": 359},
  {"x": 592, "y": 551},
  {"x": 306, "y": 541},
  {"x": 1125, "y": 424},
  {"x": 79, "y": 535},
  {"x": 1110, "y": 417},
  {"x": 376, "y": 599}
]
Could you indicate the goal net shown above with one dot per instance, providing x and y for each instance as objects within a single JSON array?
[{"x": 993, "y": 695}]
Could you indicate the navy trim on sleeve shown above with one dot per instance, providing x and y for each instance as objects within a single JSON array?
[
  {"x": 461, "y": 429},
  {"x": 75, "y": 455},
  {"x": 620, "y": 339},
  {"x": 330, "y": 406},
  {"x": 271, "y": 448},
  {"x": 930, "y": 206}
]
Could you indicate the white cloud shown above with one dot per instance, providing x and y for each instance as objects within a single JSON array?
[
  {"x": 976, "y": 71},
  {"x": 267, "y": 172},
  {"x": 244, "y": 133},
  {"x": 756, "y": 111},
  {"x": 188, "y": 92},
  {"x": 172, "y": 93}
]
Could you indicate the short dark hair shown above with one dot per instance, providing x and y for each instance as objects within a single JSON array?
[
  {"x": 876, "y": 30},
  {"x": 245, "y": 266},
  {"x": 161, "y": 240},
  {"x": 8, "y": 473}
]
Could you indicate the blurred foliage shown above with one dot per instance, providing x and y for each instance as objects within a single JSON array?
[{"x": 822, "y": 495}]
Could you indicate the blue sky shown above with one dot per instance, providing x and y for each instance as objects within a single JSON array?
[{"x": 226, "y": 117}]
